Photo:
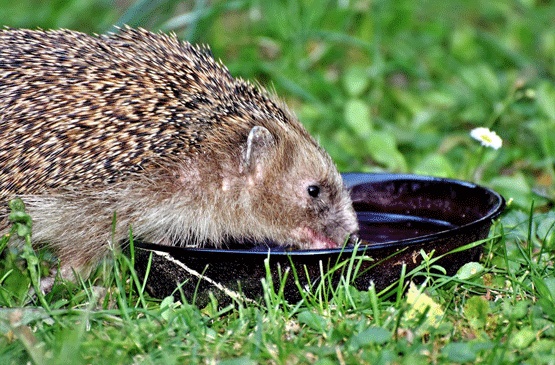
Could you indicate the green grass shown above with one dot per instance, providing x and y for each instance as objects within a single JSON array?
[{"x": 385, "y": 86}]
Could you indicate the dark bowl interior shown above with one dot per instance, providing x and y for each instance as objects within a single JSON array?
[{"x": 399, "y": 215}]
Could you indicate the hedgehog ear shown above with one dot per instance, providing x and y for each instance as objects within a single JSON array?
[{"x": 260, "y": 145}]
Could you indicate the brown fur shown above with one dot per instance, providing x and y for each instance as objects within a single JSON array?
[{"x": 157, "y": 131}]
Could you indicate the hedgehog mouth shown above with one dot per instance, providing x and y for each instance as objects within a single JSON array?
[{"x": 310, "y": 239}]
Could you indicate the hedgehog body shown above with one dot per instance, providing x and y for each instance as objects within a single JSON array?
[{"x": 158, "y": 132}]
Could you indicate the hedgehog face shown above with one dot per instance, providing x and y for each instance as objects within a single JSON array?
[
  {"x": 295, "y": 193},
  {"x": 330, "y": 217}
]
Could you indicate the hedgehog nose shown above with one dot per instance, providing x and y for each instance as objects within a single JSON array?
[{"x": 353, "y": 238}]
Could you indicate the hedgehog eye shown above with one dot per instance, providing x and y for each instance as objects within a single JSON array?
[{"x": 313, "y": 191}]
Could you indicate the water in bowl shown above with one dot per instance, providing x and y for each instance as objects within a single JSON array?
[{"x": 387, "y": 227}]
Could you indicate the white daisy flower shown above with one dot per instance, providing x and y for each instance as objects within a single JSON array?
[{"x": 486, "y": 137}]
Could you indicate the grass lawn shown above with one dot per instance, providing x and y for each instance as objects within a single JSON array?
[{"x": 392, "y": 86}]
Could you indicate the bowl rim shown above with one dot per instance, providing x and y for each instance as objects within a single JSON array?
[{"x": 352, "y": 179}]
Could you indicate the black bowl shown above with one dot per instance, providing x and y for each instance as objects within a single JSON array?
[{"x": 399, "y": 215}]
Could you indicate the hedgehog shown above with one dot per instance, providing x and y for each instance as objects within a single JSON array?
[{"x": 155, "y": 131}]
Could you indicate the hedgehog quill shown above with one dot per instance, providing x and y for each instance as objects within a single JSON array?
[{"x": 156, "y": 130}]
